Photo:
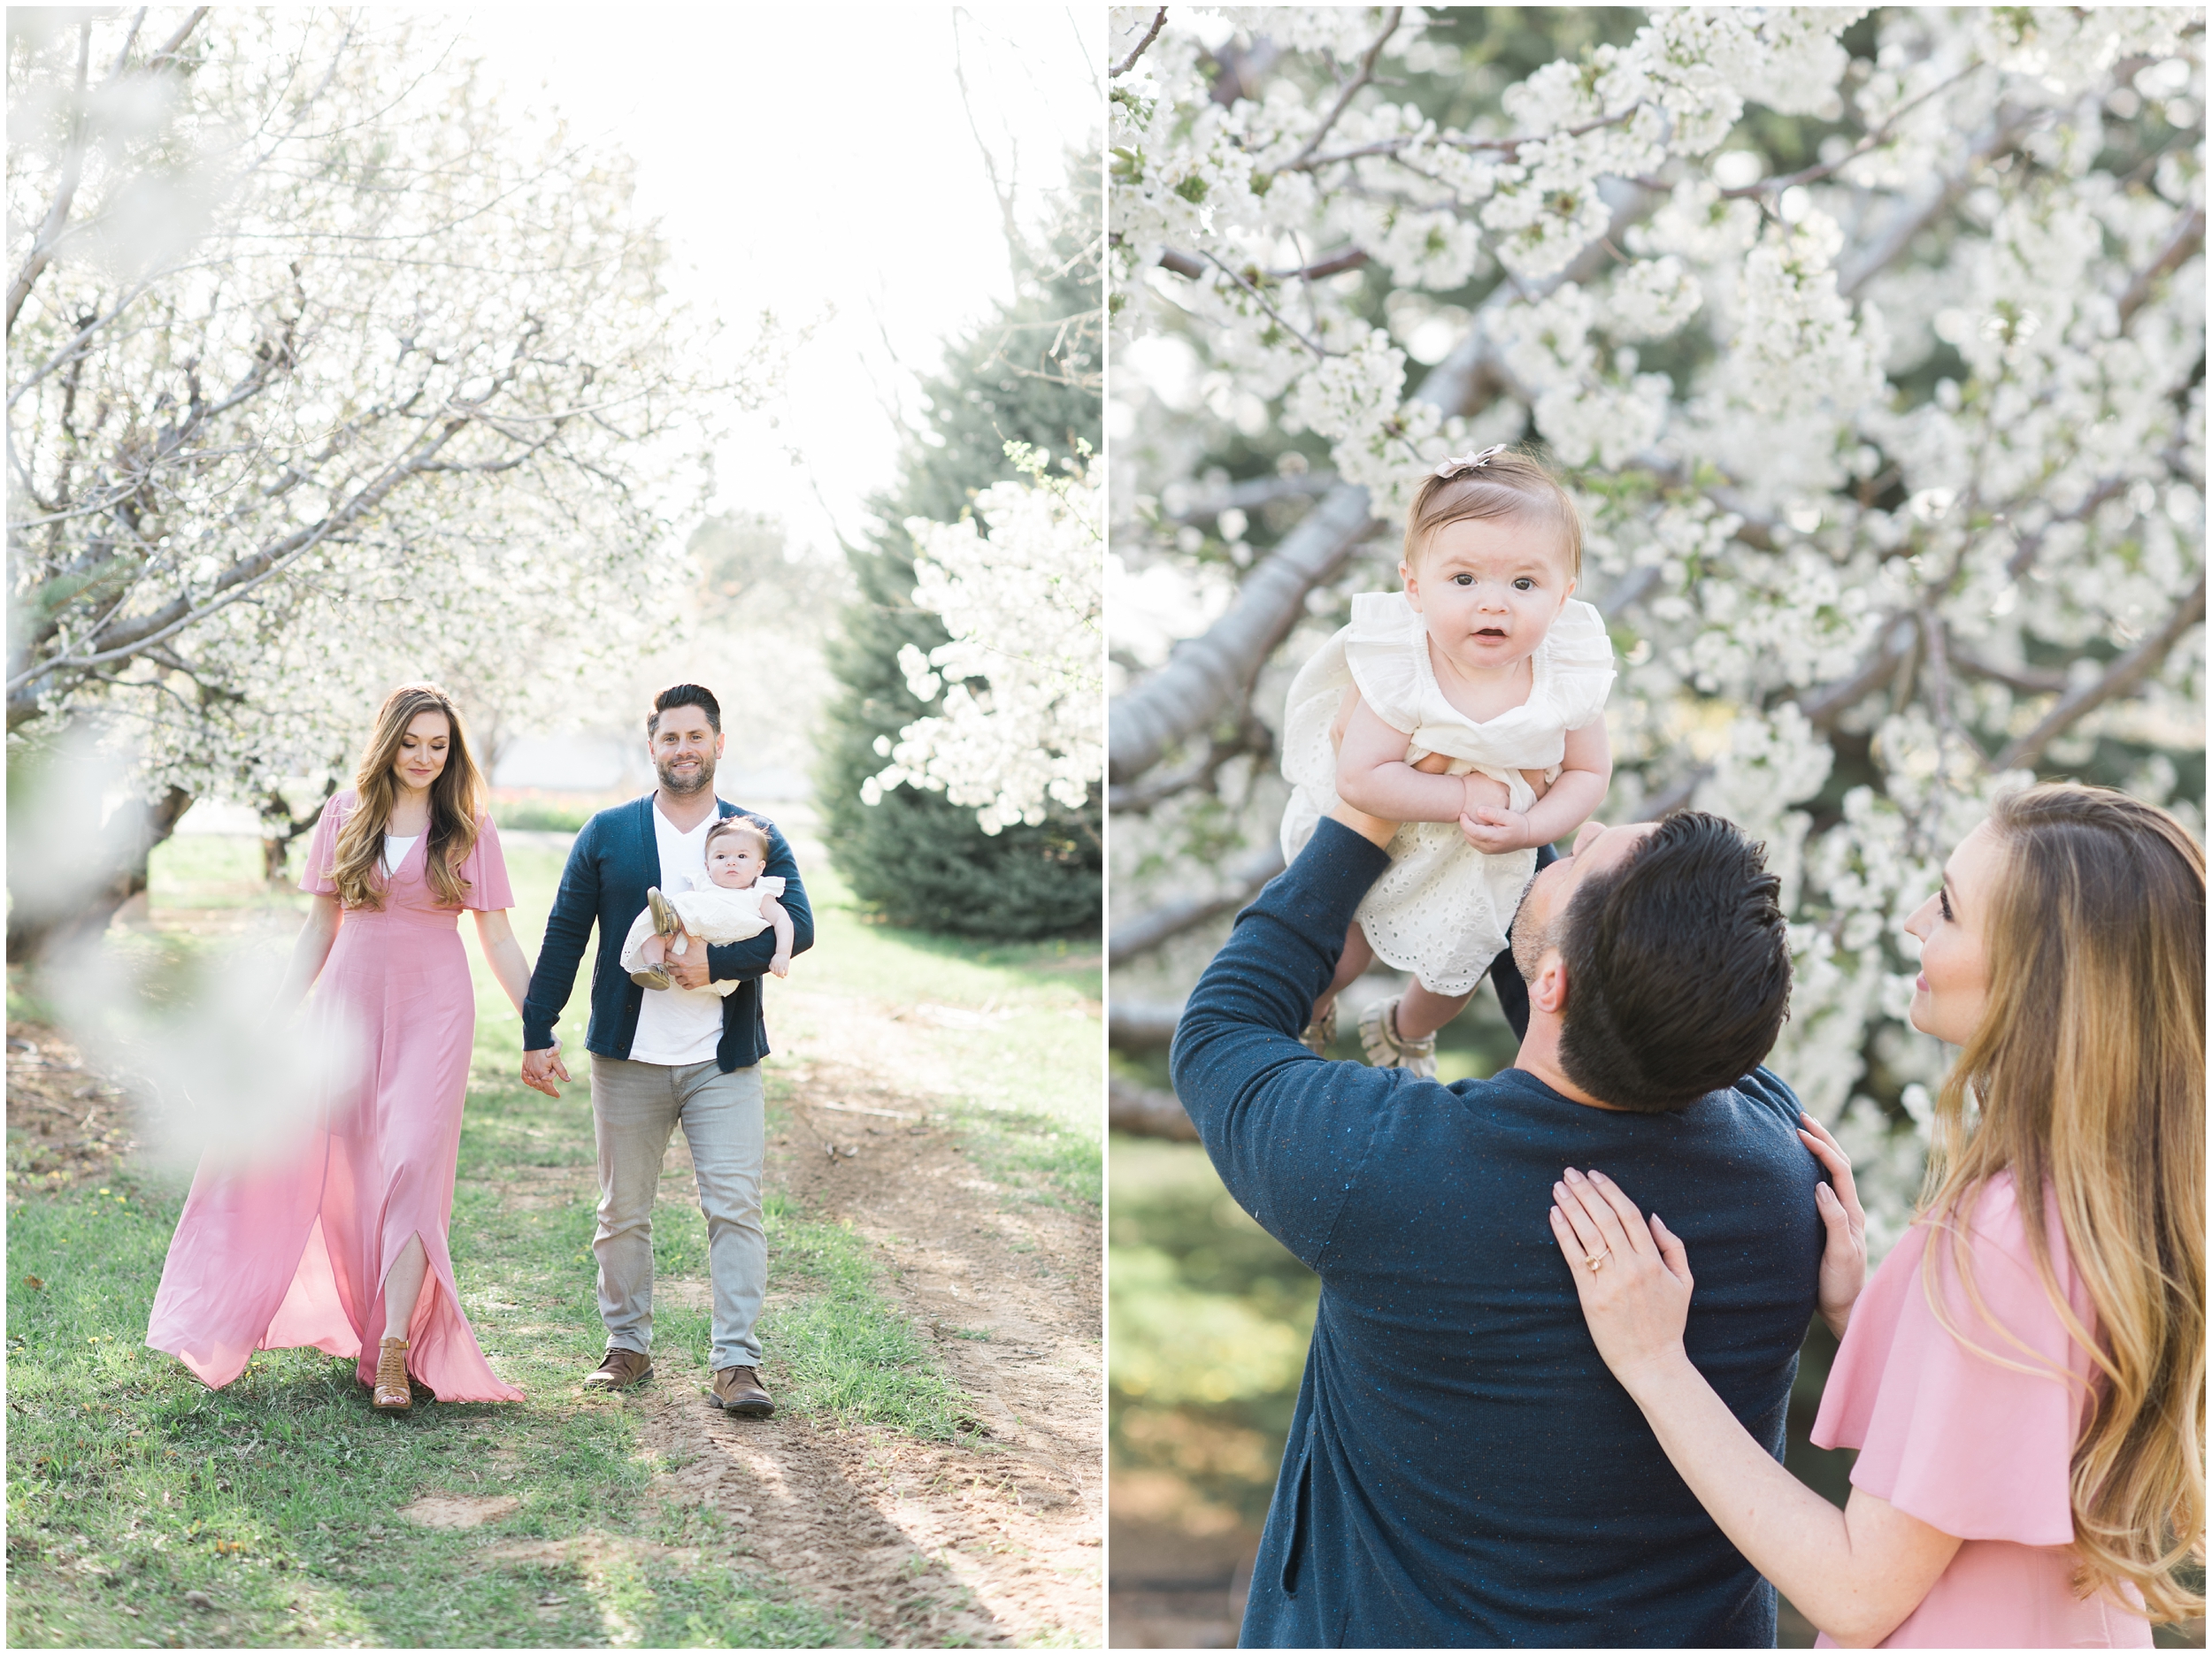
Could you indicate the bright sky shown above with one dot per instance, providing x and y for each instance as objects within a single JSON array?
[{"x": 821, "y": 164}]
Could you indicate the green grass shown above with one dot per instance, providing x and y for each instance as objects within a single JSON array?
[
  {"x": 842, "y": 1352},
  {"x": 131, "y": 1485}
]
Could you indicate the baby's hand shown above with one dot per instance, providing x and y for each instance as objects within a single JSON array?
[
  {"x": 1433, "y": 765},
  {"x": 1494, "y": 833},
  {"x": 780, "y": 965},
  {"x": 1485, "y": 792}
]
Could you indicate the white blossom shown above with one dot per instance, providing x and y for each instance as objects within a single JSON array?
[
  {"x": 1020, "y": 726},
  {"x": 1879, "y": 457}
]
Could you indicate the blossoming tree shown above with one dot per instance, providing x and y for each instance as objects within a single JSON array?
[
  {"x": 322, "y": 374},
  {"x": 1021, "y": 604},
  {"x": 1874, "y": 344}
]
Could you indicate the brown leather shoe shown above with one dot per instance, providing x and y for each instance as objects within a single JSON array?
[
  {"x": 618, "y": 1370},
  {"x": 738, "y": 1391},
  {"x": 393, "y": 1393}
]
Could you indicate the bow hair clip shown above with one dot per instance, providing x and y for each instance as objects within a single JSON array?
[{"x": 1448, "y": 469}]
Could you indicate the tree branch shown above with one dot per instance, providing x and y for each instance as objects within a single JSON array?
[
  {"x": 1824, "y": 704},
  {"x": 1149, "y": 929},
  {"x": 2186, "y": 240},
  {"x": 1138, "y": 1025},
  {"x": 1281, "y": 320},
  {"x": 175, "y": 42},
  {"x": 1911, "y": 218},
  {"x": 2118, "y": 679},
  {"x": 2028, "y": 681},
  {"x": 1205, "y": 672},
  {"x": 50, "y": 228},
  {"x": 1366, "y": 73},
  {"x": 1254, "y": 491},
  {"x": 1122, "y": 68},
  {"x": 1147, "y": 1111}
]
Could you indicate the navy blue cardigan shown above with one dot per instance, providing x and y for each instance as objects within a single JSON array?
[
  {"x": 614, "y": 859},
  {"x": 1461, "y": 1468}
]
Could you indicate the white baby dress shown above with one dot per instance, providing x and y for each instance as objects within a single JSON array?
[
  {"x": 1441, "y": 907},
  {"x": 711, "y": 912}
]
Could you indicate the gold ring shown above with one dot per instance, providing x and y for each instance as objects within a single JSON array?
[{"x": 1595, "y": 1261}]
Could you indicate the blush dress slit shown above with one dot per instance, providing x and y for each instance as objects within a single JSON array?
[{"x": 295, "y": 1251}]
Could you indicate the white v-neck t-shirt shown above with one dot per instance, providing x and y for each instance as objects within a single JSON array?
[
  {"x": 678, "y": 1025},
  {"x": 396, "y": 849}
]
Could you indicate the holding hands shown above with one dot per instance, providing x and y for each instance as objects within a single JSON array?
[{"x": 541, "y": 1070}]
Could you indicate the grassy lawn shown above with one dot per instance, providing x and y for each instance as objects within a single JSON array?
[{"x": 146, "y": 1510}]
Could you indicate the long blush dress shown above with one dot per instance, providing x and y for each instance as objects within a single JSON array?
[
  {"x": 1970, "y": 1444},
  {"x": 294, "y": 1250}
]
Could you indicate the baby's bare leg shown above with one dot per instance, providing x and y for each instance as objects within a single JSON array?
[
  {"x": 1356, "y": 957},
  {"x": 655, "y": 948},
  {"x": 1421, "y": 1013},
  {"x": 775, "y": 914}
]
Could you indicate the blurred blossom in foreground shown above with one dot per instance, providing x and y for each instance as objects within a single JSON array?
[
  {"x": 183, "y": 1027},
  {"x": 189, "y": 1037}
]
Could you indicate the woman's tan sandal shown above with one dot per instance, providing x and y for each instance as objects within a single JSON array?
[
  {"x": 1386, "y": 1048},
  {"x": 393, "y": 1393},
  {"x": 1320, "y": 1035}
]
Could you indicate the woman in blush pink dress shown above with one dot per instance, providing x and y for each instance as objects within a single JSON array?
[
  {"x": 341, "y": 1243},
  {"x": 2024, "y": 1377}
]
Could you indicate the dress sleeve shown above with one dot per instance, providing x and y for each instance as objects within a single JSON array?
[
  {"x": 1976, "y": 1443},
  {"x": 1378, "y": 650},
  {"x": 317, "y": 873},
  {"x": 771, "y": 884},
  {"x": 485, "y": 867},
  {"x": 1581, "y": 657}
]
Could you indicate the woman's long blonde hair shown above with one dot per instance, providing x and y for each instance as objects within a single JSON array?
[
  {"x": 457, "y": 799},
  {"x": 2087, "y": 1071}
]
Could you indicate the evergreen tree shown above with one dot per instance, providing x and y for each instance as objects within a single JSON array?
[{"x": 1029, "y": 374}]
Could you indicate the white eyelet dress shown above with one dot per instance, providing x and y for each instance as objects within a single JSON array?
[{"x": 1441, "y": 909}]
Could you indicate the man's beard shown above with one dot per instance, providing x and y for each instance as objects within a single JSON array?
[
  {"x": 700, "y": 783},
  {"x": 1529, "y": 942}
]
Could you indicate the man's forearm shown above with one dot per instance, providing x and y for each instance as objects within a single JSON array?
[
  {"x": 1281, "y": 953},
  {"x": 1286, "y": 1131}
]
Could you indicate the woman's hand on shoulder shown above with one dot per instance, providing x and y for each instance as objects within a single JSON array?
[{"x": 1843, "y": 1260}]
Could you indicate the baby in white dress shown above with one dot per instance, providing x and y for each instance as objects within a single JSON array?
[
  {"x": 739, "y": 902},
  {"x": 1469, "y": 707}
]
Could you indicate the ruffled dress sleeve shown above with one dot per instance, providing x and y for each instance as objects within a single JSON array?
[
  {"x": 1975, "y": 1442},
  {"x": 318, "y": 872},
  {"x": 485, "y": 868},
  {"x": 769, "y": 884},
  {"x": 1580, "y": 656},
  {"x": 1378, "y": 645}
]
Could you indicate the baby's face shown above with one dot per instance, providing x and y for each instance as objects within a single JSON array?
[
  {"x": 733, "y": 862},
  {"x": 1488, "y": 590}
]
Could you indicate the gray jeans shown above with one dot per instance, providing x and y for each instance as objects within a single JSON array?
[{"x": 634, "y": 1108}]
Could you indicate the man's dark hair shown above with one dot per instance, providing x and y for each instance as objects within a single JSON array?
[
  {"x": 685, "y": 696},
  {"x": 1677, "y": 968}
]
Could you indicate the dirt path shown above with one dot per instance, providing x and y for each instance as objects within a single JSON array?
[{"x": 920, "y": 1543}]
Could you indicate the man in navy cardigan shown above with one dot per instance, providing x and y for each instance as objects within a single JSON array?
[
  {"x": 664, "y": 1056},
  {"x": 1461, "y": 1468}
]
